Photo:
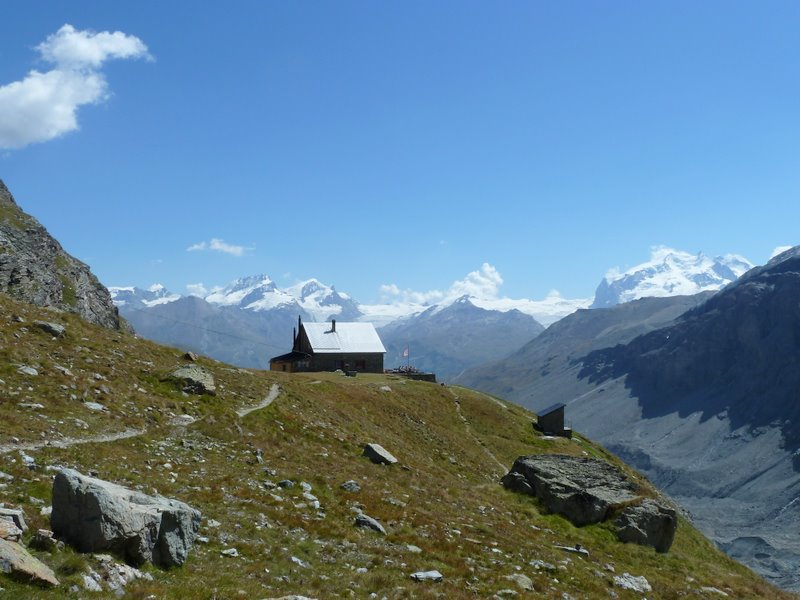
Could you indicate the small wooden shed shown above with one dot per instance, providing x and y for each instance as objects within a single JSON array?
[{"x": 551, "y": 421}]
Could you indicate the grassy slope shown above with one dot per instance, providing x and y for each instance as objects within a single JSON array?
[{"x": 453, "y": 445}]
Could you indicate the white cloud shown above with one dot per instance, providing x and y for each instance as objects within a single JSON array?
[
  {"x": 218, "y": 245},
  {"x": 484, "y": 284},
  {"x": 779, "y": 250},
  {"x": 43, "y": 106},
  {"x": 196, "y": 289}
]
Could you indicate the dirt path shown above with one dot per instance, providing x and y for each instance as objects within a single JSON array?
[
  {"x": 475, "y": 438},
  {"x": 67, "y": 442},
  {"x": 273, "y": 393}
]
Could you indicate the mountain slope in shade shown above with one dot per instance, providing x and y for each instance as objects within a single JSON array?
[
  {"x": 447, "y": 340},
  {"x": 669, "y": 273},
  {"x": 707, "y": 406}
]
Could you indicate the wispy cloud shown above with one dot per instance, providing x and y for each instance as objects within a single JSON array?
[
  {"x": 196, "y": 289},
  {"x": 483, "y": 283},
  {"x": 44, "y": 106},
  {"x": 218, "y": 245}
]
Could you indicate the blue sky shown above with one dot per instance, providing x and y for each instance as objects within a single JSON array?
[{"x": 406, "y": 143}]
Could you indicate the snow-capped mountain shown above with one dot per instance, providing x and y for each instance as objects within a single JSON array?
[
  {"x": 669, "y": 272},
  {"x": 136, "y": 298},
  {"x": 311, "y": 298}
]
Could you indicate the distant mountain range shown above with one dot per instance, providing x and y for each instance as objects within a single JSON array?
[
  {"x": 250, "y": 319},
  {"x": 698, "y": 392}
]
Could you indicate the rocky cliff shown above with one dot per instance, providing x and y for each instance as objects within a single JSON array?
[{"x": 35, "y": 268}]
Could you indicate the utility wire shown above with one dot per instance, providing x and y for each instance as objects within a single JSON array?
[{"x": 195, "y": 326}]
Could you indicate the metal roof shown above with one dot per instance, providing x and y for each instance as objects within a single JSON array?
[
  {"x": 549, "y": 409},
  {"x": 348, "y": 337}
]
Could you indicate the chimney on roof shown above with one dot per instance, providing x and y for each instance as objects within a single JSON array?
[{"x": 333, "y": 325}]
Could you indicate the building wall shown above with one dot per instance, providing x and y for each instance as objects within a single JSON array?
[
  {"x": 363, "y": 363},
  {"x": 553, "y": 422}
]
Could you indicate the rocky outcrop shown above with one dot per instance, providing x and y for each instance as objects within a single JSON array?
[
  {"x": 35, "y": 268},
  {"x": 194, "y": 379},
  {"x": 587, "y": 490},
  {"x": 95, "y": 515}
]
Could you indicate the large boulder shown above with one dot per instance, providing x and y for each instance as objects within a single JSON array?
[
  {"x": 378, "y": 454},
  {"x": 649, "y": 524},
  {"x": 95, "y": 515},
  {"x": 587, "y": 490},
  {"x": 584, "y": 490}
]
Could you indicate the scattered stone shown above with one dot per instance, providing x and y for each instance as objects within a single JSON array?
[
  {"x": 386, "y": 388},
  {"x": 97, "y": 515},
  {"x": 576, "y": 549},
  {"x": 190, "y": 356},
  {"x": 194, "y": 379},
  {"x": 15, "y": 516},
  {"x": 27, "y": 460},
  {"x": 713, "y": 590},
  {"x": 182, "y": 420},
  {"x": 6, "y": 477},
  {"x": 63, "y": 370},
  {"x": 117, "y": 575},
  {"x": 648, "y": 524},
  {"x": 9, "y": 531},
  {"x": 541, "y": 565},
  {"x": 286, "y": 483},
  {"x": 523, "y": 581},
  {"x": 300, "y": 562},
  {"x": 351, "y": 486},
  {"x": 368, "y": 522},
  {"x": 17, "y": 562},
  {"x": 427, "y": 576},
  {"x": 53, "y": 329},
  {"x": 306, "y": 487},
  {"x": 43, "y": 540},
  {"x": 213, "y": 523},
  {"x": 26, "y": 370},
  {"x": 94, "y": 406},
  {"x": 91, "y": 582},
  {"x": 232, "y": 552},
  {"x": 31, "y": 405},
  {"x": 378, "y": 454},
  {"x": 631, "y": 582},
  {"x": 201, "y": 539},
  {"x": 413, "y": 549}
]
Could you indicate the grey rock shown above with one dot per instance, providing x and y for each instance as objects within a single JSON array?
[
  {"x": 17, "y": 562},
  {"x": 96, "y": 515},
  {"x": 632, "y": 582},
  {"x": 94, "y": 406},
  {"x": 190, "y": 356},
  {"x": 427, "y": 576},
  {"x": 6, "y": 477},
  {"x": 368, "y": 522},
  {"x": 351, "y": 486},
  {"x": 34, "y": 268},
  {"x": 584, "y": 490},
  {"x": 53, "y": 329},
  {"x": 378, "y": 454},
  {"x": 648, "y": 524},
  {"x": 230, "y": 552},
  {"x": 26, "y": 370},
  {"x": 15, "y": 516},
  {"x": 43, "y": 540},
  {"x": 9, "y": 531},
  {"x": 286, "y": 483},
  {"x": 523, "y": 581},
  {"x": 194, "y": 379}
]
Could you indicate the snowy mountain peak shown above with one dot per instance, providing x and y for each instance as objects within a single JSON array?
[
  {"x": 669, "y": 272},
  {"x": 243, "y": 292},
  {"x": 135, "y": 298}
]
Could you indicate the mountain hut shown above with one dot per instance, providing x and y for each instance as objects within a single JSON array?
[{"x": 351, "y": 347}]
